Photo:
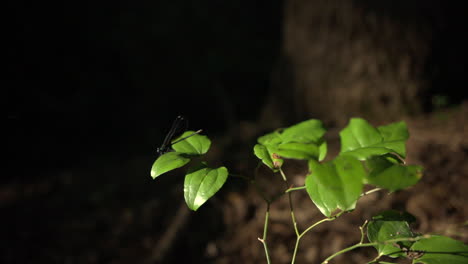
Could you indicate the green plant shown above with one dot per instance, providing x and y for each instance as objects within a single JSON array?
[{"x": 368, "y": 156}]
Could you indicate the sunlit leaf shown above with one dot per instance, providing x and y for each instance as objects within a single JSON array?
[
  {"x": 193, "y": 144},
  {"x": 322, "y": 150},
  {"x": 201, "y": 183},
  {"x": 167, "y": 162},
  {"x": 440, "y": 250},
  {"x": 293, "y": 150},
  {"x": 310, "y": 131},
  {"x": 300, "y": 141},
  {"x": 272, "y": 138},
  {"x": 392, "y": 175},
  {"x": 264, "y": 155},
  {"x": 361, "y": 140},
  {"x": 390, "y": 225},
  {"x": 336, "y": 184}
]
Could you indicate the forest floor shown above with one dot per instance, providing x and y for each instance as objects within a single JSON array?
[{"x": 109, "y": 210}]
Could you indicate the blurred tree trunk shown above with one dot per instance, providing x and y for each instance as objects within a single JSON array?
[{"x": 347, "y": 58}]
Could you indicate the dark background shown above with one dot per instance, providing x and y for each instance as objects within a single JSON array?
[{"x": 94, "y": 86}]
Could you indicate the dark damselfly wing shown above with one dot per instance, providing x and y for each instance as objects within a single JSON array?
[{"x": 178, "y": 127}]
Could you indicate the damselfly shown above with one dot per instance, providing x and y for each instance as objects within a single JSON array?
[{"x": 178, "y": 127}]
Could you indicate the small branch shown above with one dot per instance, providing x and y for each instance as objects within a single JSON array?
[
  {"x": 375, "y": 259},
  {"x": 344, "y": 251},
  {"x": 371, "y": 191},
  {"x": 295, "y": 189},
  {"x": 322, "y": 221},
  {"x": 265, "y": 231},
  {"x": 298, "y": 236},
  {"x": 358, "y": 245},
  {"x": 361, "y": 228},
  {"x": 283, "y": 175}
]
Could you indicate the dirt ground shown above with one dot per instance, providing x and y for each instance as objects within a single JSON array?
[{"x": 110, "y": 211}]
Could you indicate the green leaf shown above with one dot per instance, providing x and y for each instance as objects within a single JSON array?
[
  {"x": 441, "y": 250},
  {"x": 272, "y": 138},
  {"x": 167, "y": 162},
  {"x": 293, "y": 150},
  {"x": 301, "y": 141},
  {"x": 310, "y": 131},
  {"x": 322, "y": 150},
  {"x": 390, "y": 225},
  {"x": 395, "y": 134},
  {"x": 264, "y": 155},
  {"x": 386, "y": 173},
  {"x": 361, "y": 140},
  {"x": 201, "y": 183},
  {"x": 194, "y": 144},
  {"x": 336, "y": 184}
]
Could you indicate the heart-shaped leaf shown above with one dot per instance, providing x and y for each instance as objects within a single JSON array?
[
  {"x": 272, "y": 138},
  {"x": 267, "y": 158},
  {"x": 361, "y": 140},
  {"x": 390, "y": 174},
  {"x": 293, "y": 150},
  {"x": 440, "y": 250},
  {"x": 390, "y": 225},
  {"x": 167, "y": 162},
  {"x": 310, "y": 131},
  {"x": 201, "y": 183},
  {"x": 193, "y": 144},
  {"x": 336, "y": 184},
  {"x": 301, "y": 141}
]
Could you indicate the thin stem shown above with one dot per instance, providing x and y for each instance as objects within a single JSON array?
[
  {"x": 361, "y": 228},
  {"x": 296, "y": 246},
  {"x": 295, "y": 189},
  {"x": 375, "y": 259},
  {"x": 360, "y": 244},
  {"x": 321, "y": 221},
  {"x": 283, "y": 175},
  {"x": 371, "y": 191},
  {"x": 265, "y": 231},
  {"x": 345, "y": 250},
  {"x": 299, "y": 236},
  {"x": 293, "y": 216}
]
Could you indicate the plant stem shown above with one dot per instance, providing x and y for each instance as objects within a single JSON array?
[
  {"x": 346, "y": 250},
  {"x": 360, "y": 244},
  {"x": 283, "y": 175},
  {"x": 371, "y": 191},
  {"x": 300, "y": 235},
  {"x": 361, "y": 228},
  {"x": 265, "y": 231},
  {"x": 322, "y": 221},
  {"x": 295, "y": 189}
]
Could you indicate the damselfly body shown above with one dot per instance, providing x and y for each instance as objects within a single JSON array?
[{"x": 178, "y": 127}]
